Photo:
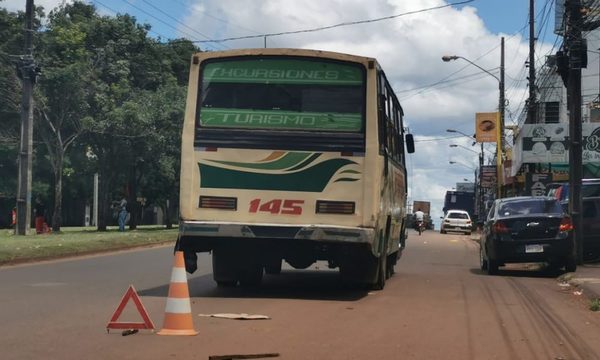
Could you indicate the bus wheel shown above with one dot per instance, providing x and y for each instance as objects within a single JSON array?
[
  {"x": 224, "y": 268},
  {"x": 273, "y": 266},
  {"x": 391, "y": 264},
  {"x": 251, "y": 275},
  {"x": 382, "y": 271}
]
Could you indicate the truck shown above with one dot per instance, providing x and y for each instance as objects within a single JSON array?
[{"x": 460, "y": 200}]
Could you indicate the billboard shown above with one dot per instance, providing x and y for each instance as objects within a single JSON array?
[
  {"x": 488, "y": 176},
  {"x": 465, "y": 186},
  {"x": 549, "y": 143},
  {"x": 486, "y": 127}
]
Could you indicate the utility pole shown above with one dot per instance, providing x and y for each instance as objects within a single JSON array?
[
  {"x": 481, "y": 203},
  {"x": 27, "y": 73},
  {"x": 574, "y": 42},
  {"x": 500, "y": 132},
  {"x": 532, "y": 102}
]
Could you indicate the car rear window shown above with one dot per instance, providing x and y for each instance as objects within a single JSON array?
[
  {"x": 458, "y": 216},
  {"x": 533, "y": 206},
  {"x": 590, "y": 190}
]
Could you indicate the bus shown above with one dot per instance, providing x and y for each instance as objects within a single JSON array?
[{"x": 292, "y": 155}]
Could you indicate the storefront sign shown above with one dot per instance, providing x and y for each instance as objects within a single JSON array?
[
  {"x": 549, "y": 143},
  {"x": 536, "y": 184}
]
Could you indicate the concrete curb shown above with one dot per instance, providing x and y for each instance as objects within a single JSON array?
[
  {"x": 589, "y": 286},
  {"x": 587, "y": 279}
]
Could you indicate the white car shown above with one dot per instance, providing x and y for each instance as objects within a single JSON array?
[{"x": 456, "y": 220}]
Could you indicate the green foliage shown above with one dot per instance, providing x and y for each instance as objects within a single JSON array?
[
  {"x": 77, "y": 241},
  {"x": 595, "y": 305},
  {"x": 110, "y": 100}
]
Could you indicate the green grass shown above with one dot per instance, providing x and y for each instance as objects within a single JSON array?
[
  {"x": 77, "y": 241},
  {"x": 595, "y": 305}
]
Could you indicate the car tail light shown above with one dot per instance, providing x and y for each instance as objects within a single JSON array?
[
  {"x": 566, "y": 224},
  {"x": 501, "y": 228},
  {"x": 218, "y": 202},
  {"x": 335, "y": 207}
]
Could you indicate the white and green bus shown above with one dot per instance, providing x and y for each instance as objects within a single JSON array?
[{"x": 292, "y": 155}]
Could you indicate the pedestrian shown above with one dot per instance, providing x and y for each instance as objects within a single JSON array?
[
  {"x": 40, "y": 215},
  {"x": 13, "y": 217},
  {"x": 122, "y": 214}
]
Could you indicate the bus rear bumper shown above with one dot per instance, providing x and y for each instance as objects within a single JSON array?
[
  {"x": 317, "y": 233},
  {"x": 266, "y": 245}
]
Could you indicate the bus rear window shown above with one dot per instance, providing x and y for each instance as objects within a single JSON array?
[{"x": 282, "y": 94}]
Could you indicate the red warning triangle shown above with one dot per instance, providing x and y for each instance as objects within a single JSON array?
[{"x": 130, "y": 294}]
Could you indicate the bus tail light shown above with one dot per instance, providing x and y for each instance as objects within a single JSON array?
[
  {"x": 335, "y": 207},
  {"x": 218, "y": 202}
]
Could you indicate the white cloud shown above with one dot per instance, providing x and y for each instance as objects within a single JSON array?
[{"x": 19, "y": 5}]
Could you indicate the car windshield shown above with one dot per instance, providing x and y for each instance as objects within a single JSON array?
[
  {"x": 533, "y": 206},
  {"x": 458, "y": 216}
]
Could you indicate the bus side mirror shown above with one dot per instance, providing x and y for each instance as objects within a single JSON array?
[{"x": 410, "y": 143}]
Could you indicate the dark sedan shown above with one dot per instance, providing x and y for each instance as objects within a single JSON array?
[{"x": 527, "y": 229}]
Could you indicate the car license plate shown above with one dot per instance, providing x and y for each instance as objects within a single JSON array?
[{"x": 534, "y": 248}]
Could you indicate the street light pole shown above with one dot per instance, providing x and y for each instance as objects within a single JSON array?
[
  {"x": 480, "y": 202},
  {"x": 501, "y": 102},
  {"x": 459, "y": 163}
]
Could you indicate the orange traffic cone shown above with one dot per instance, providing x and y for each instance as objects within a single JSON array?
[{"x": 178, "y": 312}]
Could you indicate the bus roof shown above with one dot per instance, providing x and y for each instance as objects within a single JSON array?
[{"x": 284, "y": 51}]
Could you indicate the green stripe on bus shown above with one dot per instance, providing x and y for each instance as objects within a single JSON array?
[
  {"x": 282, "y": 71},
  {"x": 306, "y": 162},
  {"x": 346, "y": 179},
  {"x": 277, "y": 119},
  {"x": 313, "y": 179},
  {"x": 288, "y": 160}
]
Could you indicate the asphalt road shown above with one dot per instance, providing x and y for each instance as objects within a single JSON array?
[{"x": 437, "y": 306}]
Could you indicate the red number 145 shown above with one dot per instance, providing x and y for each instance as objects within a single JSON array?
[{"x": 277, "y": 206}]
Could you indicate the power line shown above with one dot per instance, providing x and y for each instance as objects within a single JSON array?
[
  {"x": 468, "y": 77},
  {"x": 440, "y": 139},
  {"x": 175, "y": 19},
  {"x": 115, "y": 12},
  {"x": 334, "y": 26},
  {"x": 156, "y": 18}
]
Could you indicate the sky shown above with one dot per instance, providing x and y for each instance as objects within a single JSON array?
[{"x": 435, "y": 95}]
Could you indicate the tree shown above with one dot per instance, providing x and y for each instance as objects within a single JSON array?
[
  {"x": 66, "y": 71},
  {"x": 161, "y": 181},
  {"x": 10, "y": 102}
]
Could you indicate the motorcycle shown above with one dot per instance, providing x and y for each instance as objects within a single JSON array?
[{"x": 420, "y": 226}]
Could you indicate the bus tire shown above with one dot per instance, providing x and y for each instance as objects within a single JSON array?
[
  {"x": 251, "y": 275},
  {"x": 381, "y": 273},
  {"x": 224, "y": 268},
  {"x": 391, "y": 262},
  {"x": 273, "y": 266},
  {"x": 359, "y": 268}
]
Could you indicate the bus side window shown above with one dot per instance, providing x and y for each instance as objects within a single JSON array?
[
  {"x": 381, "y": 123},
  {"x": 399, "y": 144}
]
